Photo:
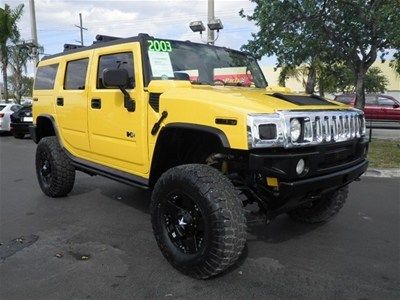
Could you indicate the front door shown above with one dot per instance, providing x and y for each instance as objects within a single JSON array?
[{"x": 117, "y": 136}]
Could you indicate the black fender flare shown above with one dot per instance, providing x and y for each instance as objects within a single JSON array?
[{"x": 209, "y": 129}]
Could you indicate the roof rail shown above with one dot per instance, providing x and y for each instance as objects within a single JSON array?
[
  {"x": 68, "y": 47},
  {"x": 105, "y": 38}
]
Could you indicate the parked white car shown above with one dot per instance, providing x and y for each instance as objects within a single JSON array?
[{"x": 6, "y": 110}]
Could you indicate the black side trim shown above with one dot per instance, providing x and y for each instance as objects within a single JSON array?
[
  {"x": 117, "y": 175},
  {"x": 219, "y": 133},
  {"x": 303, "y": 100},
  {"x": 154, "y": 101}
]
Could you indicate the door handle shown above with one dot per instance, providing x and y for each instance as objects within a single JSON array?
[
  {"x": 96, "y": 103},
  {"x": 60, "y": 101}
]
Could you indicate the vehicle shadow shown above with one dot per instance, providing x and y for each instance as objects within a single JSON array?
[
  {"x": 134, "y": 197},
  {"x": 281, "y": 229}
]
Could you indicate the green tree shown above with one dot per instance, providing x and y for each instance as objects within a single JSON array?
[
  {"x": 342, "y": 79},
  {"x": 331, "y": 31},
  {"x": 8, "y": 31},
  {"x": 18, "y": 58},
  {"x": 25, "y": 88}
]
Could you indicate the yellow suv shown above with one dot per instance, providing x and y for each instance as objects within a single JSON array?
[{"x": 198, "y": 125}]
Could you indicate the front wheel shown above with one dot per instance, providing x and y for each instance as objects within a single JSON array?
[
  {"x": 323, "y": 209},
  {"x": 54, "y": 170},
  {"x": 198, "y": 220}
]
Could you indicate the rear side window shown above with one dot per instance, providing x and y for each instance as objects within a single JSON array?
[
  {"x": 75, "y": 74},
  {"x": 116, "y": 61},
  {"x": 45, "y": 77},
  {"x": 370, "y": 100}
]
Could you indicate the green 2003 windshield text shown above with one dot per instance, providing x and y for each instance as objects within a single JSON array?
[{"x": 160, "y": 46}]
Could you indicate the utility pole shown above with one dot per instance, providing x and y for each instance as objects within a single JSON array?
[
  {"x": 35, "y": 46},
  {"x": 210, "y": 33},
  {"x": 81, "y": 28}
]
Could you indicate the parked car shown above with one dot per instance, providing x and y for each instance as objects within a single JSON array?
[
  {"x": 20, "y": 122},
  {"x": 377, "y": 106},
  {"x": 6, "y": 110}
]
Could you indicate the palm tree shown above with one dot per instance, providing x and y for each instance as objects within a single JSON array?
[{"x": 9, "y": 30}]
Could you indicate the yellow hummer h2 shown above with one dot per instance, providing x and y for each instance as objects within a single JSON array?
[{"x": 196, "y": 124}]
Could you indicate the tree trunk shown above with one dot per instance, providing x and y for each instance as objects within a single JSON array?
[
  {"x": 5, "y": 89},
  {"x": 311, "y": 79},
  {"x": 360, "y": 89}
]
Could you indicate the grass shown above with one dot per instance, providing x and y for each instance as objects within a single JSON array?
[{"x": 384, "y": 153}]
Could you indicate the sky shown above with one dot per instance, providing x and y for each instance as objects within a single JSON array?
[{"x": 162, "y": 18}]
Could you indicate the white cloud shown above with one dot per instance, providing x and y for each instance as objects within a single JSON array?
[{"x": 161, "y": 18}]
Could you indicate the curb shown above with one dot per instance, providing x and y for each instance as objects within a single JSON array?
[{"x": 384, "y": 173}]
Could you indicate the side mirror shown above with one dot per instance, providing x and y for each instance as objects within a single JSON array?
[
  {"x": 396, "y": 105},
  {"x": 119, "y": 78},
  {"x": 115, "y": 78}
]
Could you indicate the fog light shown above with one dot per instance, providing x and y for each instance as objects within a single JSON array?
[{"x": 300, "y": 167}]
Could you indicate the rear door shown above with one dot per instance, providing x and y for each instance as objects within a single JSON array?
[
  {"x": 71, "y": 103},
  {"x": 118, "y": 137},
  {"x": 371, "y": 109}
]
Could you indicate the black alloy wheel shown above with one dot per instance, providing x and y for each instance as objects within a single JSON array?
[{"x": 183, "y": 222}]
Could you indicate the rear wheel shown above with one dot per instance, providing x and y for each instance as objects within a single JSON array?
[
  {"x": 198, "y": 220},
  {"x": 54, "y": 170},
  {"x": 18, "y": 135},
  {"x": 321, "y": 210}
]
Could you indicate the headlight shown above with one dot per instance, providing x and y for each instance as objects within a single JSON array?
[{"x": 295, "y": 130}]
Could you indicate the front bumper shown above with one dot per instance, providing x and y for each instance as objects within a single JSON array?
[{"x": 329, "y": 167}]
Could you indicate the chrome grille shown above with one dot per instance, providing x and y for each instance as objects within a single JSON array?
[{"x": 325, "y": 126}]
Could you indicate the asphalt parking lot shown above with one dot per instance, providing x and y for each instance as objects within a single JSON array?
[{"x": 98, "y": 243}]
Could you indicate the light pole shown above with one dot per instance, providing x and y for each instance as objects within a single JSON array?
[
  {"x": 35, "y": 43},
  {"x": 210, "y": 17}
]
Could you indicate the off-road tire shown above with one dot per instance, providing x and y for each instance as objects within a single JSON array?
[
  {"x": 18, "y": 135},
  {"x": 62, "y": 172},
  {"x": 321, "y": 210},
  {"x": 223, "y": 213}
]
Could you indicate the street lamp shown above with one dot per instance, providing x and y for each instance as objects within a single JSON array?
[
  {"x": 197, "y": 26},
  {"x": 213, "y": 25}
]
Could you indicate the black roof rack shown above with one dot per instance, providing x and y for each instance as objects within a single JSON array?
[
  {"x": 68, "y": 47},
  {"x": 105, "y": 38}
]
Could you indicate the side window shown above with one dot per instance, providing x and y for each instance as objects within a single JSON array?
[
  {"x": 45, "y": 77},
  {"x": 370, "y": 100},
  {"x": 383, "y": 101},
  {"x": 75, "y": 74},
  {"x": 116, "y": 61}
]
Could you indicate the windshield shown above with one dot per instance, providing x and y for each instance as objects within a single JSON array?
[
  {"x": 203, "y": 64},
  {"x": 2, "y": 107}
]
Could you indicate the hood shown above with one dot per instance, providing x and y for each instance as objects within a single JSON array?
[{"x": 240, "y": 99}]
